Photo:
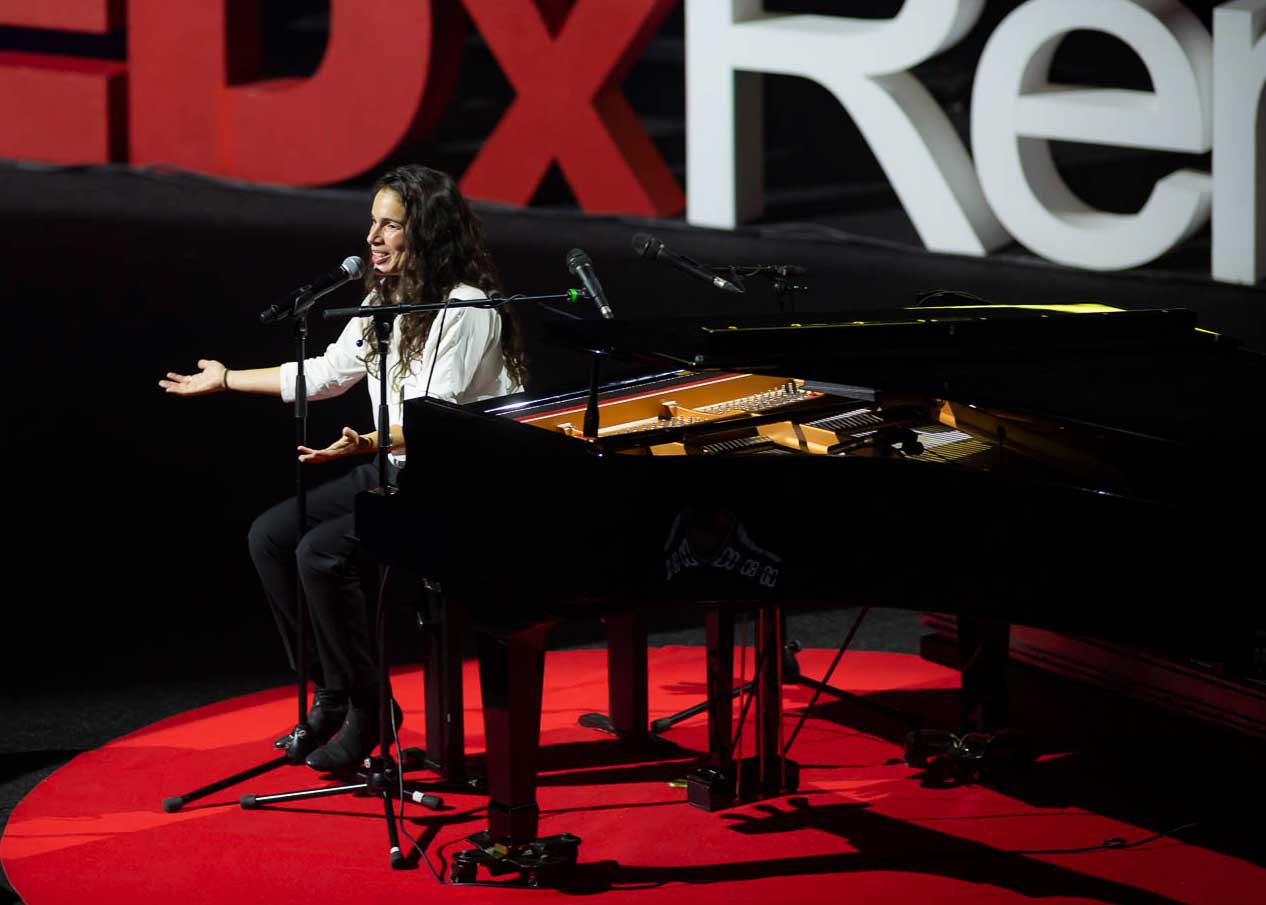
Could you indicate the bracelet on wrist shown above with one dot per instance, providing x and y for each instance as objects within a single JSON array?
[{"x": 224, "y": 381}]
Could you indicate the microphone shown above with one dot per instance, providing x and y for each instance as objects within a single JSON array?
[
  {"x": 581, "y": 268},
  {"x": 648, "y": 246},
  {"x": 299, "y": 301}
]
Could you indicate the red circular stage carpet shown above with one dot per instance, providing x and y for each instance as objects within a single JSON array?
[{"x": 861, "y": 829}]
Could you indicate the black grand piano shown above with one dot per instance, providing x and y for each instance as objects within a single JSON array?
[{"x": 1077, "y": 468}]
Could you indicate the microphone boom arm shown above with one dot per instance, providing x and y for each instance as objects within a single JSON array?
[{"x": 571, "y": 295}]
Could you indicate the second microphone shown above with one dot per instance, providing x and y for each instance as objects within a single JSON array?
[{"x": 581, "y": 267}]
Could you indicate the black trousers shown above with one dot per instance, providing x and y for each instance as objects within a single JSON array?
[{"x": 337, "y": 578}]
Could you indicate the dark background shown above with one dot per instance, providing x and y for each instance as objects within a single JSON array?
[{"x": 128, "y": 509}]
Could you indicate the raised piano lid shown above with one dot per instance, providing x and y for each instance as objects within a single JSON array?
[
  {"x": 1152, "y": 372},
  {"x": 975, "y": 333}
]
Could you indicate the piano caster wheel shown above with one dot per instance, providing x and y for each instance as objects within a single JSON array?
[
  {"x": 464, "y": 869},
  {"x": 540, "y": 862},
  {"x": 950, "y": 759},
  {"x": 945, "y": 771},
  {"x": 921, "y": 745}
]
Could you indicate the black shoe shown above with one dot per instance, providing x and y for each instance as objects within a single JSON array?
[
  {"x": 355, "y": 740},
  {"x": 328, "y": 711}
]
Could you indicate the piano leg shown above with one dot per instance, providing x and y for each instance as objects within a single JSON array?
[
  {"x": 775, "y": 775},
  {"x": 627, "y": 687},
  {"x": 719, "y": 632},
  {"x": 511, "y": 674},
  {"x": 442, "y": 671},
  {"x": 626, "y": 673},
  {"x": 983, "y": 748},
  {"x": 983, "y": 648}
]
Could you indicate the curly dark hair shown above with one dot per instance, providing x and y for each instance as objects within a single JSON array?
[{"x": 445, "y": 245}]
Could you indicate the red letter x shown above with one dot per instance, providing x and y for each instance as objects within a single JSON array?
[{"x": 569, "y": 107}]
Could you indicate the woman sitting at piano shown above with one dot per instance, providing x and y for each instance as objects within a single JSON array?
[{"x": 425, "y": 245}]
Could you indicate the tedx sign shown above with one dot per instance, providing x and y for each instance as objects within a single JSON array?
[{"x": 189, "y": 95}]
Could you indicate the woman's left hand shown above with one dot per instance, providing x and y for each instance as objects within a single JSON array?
[{"x": 350, "y": 444}]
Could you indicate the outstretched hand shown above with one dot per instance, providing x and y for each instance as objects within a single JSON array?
[
  {"x": 349, "y": 444},
  {"x": 209, "y": 379}
]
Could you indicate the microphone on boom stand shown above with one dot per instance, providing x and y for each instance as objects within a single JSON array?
[
  {"x": 299, "y": 301},
  {"x": 581, "y": 268},
  {"x": 648, "y": 246}
]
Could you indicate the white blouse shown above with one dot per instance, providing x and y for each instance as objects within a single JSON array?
[{"x": 464, "y": 344}]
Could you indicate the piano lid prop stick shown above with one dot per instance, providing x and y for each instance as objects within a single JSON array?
[{"x": 590, "y": 427}]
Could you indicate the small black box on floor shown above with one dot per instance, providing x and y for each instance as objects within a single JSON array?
[
  {"x": 709, "y": 789},
  {"x": 712, "y": 789}
]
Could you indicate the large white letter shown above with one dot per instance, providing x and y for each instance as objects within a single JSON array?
[
  {"x": 1239, "y": 126},
  {"x": 862, "y": 62},
  {"x": 1015, "y": 110}
]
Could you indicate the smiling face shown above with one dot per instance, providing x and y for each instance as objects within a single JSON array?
[{"x": 386, "y": 232}]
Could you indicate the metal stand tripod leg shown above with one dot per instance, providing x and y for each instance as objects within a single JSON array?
[
  {"x": 791, "y": 673},
  {"x": 382, "y": 776}
]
